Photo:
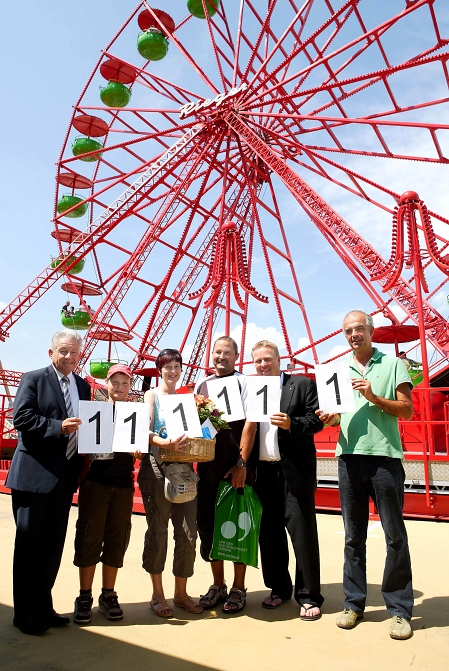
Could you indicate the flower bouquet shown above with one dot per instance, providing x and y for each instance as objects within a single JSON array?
[
  {"x": 207, "y": 410},
  {"x": 199, "y": 449}
]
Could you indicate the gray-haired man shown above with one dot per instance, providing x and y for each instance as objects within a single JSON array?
[
  {"x": 43, "y": 477},
  {"x": 370, "y": 465}
]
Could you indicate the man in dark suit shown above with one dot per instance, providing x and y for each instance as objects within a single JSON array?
[
  {"x": 285, "y": 484},
  {"x": 43, "y": 477}
]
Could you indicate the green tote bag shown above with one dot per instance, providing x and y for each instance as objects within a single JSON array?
[{"x": 237, "y": 524}]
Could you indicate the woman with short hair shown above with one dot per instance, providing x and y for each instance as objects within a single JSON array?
[{"x": 158, "y": 509}]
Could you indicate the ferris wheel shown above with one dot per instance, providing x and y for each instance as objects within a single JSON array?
[{"x": 194, "y": 124}]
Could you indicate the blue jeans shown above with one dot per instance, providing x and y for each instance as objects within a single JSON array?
[{"x": 381, "y": 478}]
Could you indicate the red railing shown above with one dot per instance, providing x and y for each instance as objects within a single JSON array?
[{"x": 425, "y": 444}]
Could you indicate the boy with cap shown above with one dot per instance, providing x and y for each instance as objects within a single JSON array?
[{"x": 103, "y": 528}]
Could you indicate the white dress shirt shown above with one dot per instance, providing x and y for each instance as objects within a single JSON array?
[
  {"x": 73, "y": 389},
  {"x": 268, "y": 437}
]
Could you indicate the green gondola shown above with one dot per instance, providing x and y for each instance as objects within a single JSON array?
[
  {"x": 152, "y": 45},
  {"x": 79, "y": 321},
  {"x": 99, "y": 367},
  {"x": 115, "y": 94},
  {"x": 83, "y": 145},
  {"x": 68, "y": 201},
  {"x": 196, "y": 8},
  {"x": 77, "y": 268}
]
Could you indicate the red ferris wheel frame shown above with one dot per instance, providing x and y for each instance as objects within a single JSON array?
[{"x": 272, "y": 107}]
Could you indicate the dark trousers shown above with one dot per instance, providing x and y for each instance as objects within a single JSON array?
[
  {"x": 282, "y": 510},
  {"x": 41, "y": 526},
  {"x": 381, "y": 478},
  {"x": 208, "y": 485}
]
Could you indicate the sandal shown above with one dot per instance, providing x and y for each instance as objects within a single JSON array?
[
  {"x": 239, "y": 602},
  {"x": 195, "y": 608},
  {"x": 273, "y": 597},
  {"x": 219, "y": 594},
  {"x": 311, "y": 618},
  {"x": 165, "y": 611}
]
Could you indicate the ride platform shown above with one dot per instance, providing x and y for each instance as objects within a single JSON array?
[{"x": 255, "y": 640}]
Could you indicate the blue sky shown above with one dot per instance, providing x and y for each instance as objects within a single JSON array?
[{"x": 48, "y": 51}]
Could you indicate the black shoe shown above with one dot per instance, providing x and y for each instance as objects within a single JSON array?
[
  {"x": 82, "y": 613},
  {"x": 57, "y": 620},
  {"x": 108, "y": 605},
  {"x": 31, "y": 627}
]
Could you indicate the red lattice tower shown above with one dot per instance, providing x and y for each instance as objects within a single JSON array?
[{"x": 247, "y": 104}]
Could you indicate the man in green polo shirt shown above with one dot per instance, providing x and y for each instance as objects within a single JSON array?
[{"x": 370, "y": 465}]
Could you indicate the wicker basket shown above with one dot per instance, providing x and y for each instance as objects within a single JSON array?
[{"x": 197, "y": 449}]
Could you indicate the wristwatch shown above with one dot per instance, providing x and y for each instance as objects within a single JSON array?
[{"x": 241, "y": 463}]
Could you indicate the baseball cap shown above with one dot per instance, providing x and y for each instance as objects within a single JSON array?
[{"x": 119, "y": 368}]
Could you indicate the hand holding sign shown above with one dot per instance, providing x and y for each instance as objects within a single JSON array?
[
  {"x": 263, "y": 399},
  {"x": 333, "y": 381},
  {"x": 95, "y": 432}
]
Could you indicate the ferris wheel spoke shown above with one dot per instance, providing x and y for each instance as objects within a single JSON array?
[
  {"x": 316, "y": 207},
  {"x": 333, "y": 19},
  {"x": 137, "y": 259},
  {"x": 126, "y": 144},
  {"x": 173, "y": 91},
  {"x": 166, "y": 89},
  {"x": 236, "y": 205},
  {"x": 366, "y": 40},
  {"x": 309, "y": 115}
]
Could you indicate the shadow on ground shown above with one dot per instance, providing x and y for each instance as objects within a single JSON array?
[{"x": 75, "y": 648}]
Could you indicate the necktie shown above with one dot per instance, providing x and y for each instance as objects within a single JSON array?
[{"x": 71, "y": 445}]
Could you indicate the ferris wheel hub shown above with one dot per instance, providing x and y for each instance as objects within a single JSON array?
[{"x": 408, "y": 195}]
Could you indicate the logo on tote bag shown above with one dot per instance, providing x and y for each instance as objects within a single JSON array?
[{"x": 229, "y": 529}]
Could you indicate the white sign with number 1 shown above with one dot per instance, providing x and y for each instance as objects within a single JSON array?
[
  {"x": 264, "y": 397},
  {"x": 225, "y": 393},
  {"x": 95, "y": 432},
  {"x": 131, "y": 427},
  {"x": 181, "y": 416},
  {"x": 333, "y": 381}
]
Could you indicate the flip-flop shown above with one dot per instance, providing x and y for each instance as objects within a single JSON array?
[
  {"x": 197, "y": 609},
  {"x": 165, "y": 606},
  {"x": 273, "y": 597},
  {"x": 306, "y": 618}
]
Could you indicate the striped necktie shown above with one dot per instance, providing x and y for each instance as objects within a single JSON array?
[{"x": 71, "y": 445}]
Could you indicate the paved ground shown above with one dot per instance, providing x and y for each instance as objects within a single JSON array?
[{"x": 255, "y": 640}]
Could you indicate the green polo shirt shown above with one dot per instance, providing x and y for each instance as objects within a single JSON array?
[{"x": 369, "y": 430}]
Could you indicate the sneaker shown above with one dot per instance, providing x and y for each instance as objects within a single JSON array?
[
  {"x": 400, "y": 628},
  {"x": 82, "y": 613},
  {"x": 348, "y": 618},
  {"x": 109, "y": 606}
]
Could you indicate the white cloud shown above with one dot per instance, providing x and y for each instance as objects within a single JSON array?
[
  {"x": 302, "y": 342},
  {"x": 254, "y": 333},
  {"x": 440, "y": 301},
  {"x": 336, "y": 351}
]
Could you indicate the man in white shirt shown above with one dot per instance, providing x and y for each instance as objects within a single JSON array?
[{"x": 286, "y": 483}]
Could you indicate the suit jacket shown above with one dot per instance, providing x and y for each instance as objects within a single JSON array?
[
  {"x": 39, "y": 410},
  {"x": 299, "y": 400}
]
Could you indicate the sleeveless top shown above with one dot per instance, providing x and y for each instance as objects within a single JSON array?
[
  {"x": 149, "y": 469},
  {"x": 158, "y": 420}
]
